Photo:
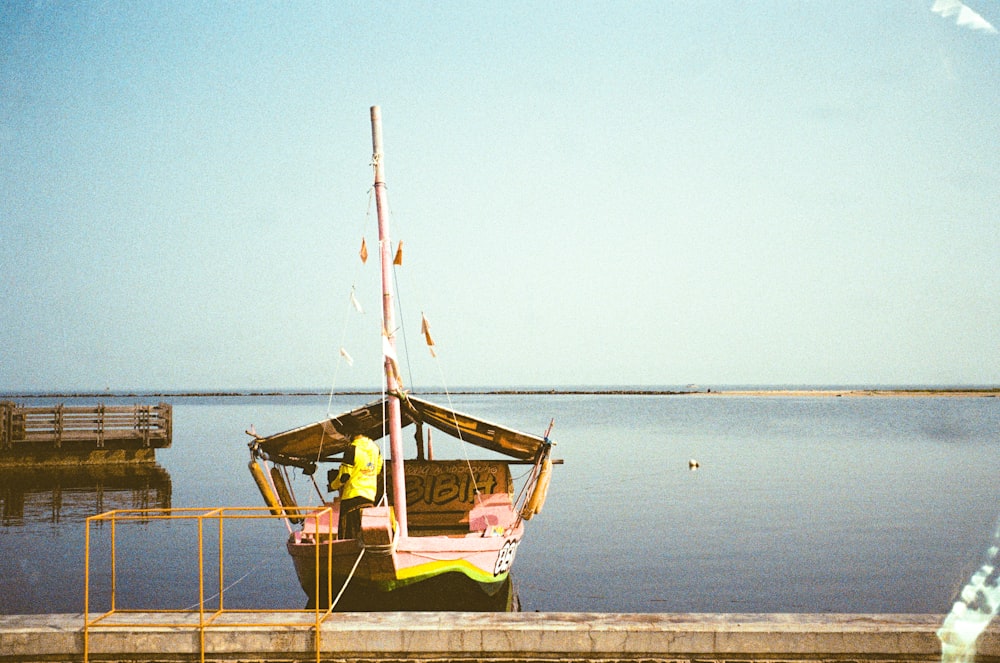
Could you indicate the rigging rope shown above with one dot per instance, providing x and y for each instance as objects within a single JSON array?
[
  {"x": 458, "y": 429},
  {"x": 347, "y": 581},
  {"x": 444, "y": 384},
  {"x": 347, "y": 317},
  {"x": 343, "y": 335},
  {"x": 316, "y": 485},
  {"x": 402, "y": 328}
]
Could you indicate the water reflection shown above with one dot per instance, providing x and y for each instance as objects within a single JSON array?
[
  {"x": 32, "y": 495},
  {"x": 450, "y": 592}
]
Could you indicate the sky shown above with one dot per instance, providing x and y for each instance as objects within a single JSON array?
[{"x": 588, "y": 193}]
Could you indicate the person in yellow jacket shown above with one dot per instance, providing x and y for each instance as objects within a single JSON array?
[{"x": 358, "y": 483}]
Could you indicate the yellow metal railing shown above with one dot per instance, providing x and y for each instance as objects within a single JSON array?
[{"x": 217, "y": 615}]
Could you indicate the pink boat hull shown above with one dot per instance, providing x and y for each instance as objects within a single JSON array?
[{"x": 380, "y": 562}]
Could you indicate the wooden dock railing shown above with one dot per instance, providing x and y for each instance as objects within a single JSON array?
[{"x": 149, "y": 426}]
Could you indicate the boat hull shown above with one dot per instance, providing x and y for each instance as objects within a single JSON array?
[{"x": 371, "y": 565}]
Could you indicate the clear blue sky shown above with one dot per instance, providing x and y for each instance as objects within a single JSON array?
[{"x": 588, "y": 193}]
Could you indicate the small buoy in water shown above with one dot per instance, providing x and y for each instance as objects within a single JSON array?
[{"x": 693, "y": 464}]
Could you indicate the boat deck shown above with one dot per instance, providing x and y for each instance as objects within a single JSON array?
[{"x": 493, "y": 510}]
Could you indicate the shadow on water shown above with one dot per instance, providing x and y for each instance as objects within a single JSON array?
[
  {"x": 452, "y": 592},
  {"x": 31, "y": 495}
]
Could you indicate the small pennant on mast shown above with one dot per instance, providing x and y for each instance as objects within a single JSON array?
[
  {"x": 355, "y": 303},
  {"x": 398, "y": 260},
  {"x": 389, "y": 352},
  {"x": 364, "y": 251},
  {"x": 387, "y": 349},
  {"x": 425, "y": 329}
]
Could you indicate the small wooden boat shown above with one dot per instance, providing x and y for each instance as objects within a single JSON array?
[{"x": 450, "y": 520}]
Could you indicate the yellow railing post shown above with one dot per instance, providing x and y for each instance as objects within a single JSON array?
[
  {"x": 114, "y": 576},
  {"x": 201, "y": 588},
  {"x": 222, "y": 562},
  {"x": 203, "y": 622},
  {"x": 86, "y": 594}
]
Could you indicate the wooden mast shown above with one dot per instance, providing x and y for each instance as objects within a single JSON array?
[{"x": 388, "y": 325}]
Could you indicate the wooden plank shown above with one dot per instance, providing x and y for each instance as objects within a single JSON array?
[
  {"x": 143, "y": 424},
  {"x": 6, "y": 424},
  {"x": 89, "y": 436}
]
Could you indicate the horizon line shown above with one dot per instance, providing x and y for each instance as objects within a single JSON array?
[{"x": 507, "y": 390}]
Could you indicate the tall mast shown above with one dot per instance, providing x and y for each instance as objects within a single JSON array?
[{"x": 388, "y": 324}]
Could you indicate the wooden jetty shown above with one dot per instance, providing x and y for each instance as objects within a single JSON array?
[{"x": 88, "y": 434}]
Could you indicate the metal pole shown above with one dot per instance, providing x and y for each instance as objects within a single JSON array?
[
  {"x": 222, "y": 563},
  {"x": 385, "y": 251},
  {"x": 114, "y": 567},
  {"x": 201, "y": 585},
  {"x": 86, "y": 595}
]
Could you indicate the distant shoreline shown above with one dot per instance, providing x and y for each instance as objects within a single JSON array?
[
  {"x": 854, "y": 393},
  {"x": 990, "y": 392}
]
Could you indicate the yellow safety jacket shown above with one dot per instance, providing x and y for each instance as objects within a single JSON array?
[{"x": 359, "y": 471}]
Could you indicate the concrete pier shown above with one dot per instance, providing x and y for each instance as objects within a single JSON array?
[{"x": 488, "y": 637}]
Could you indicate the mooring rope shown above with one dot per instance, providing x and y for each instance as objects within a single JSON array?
[
  {"x": 260, "y": 561},
  {"x": 350, "y": 576}
]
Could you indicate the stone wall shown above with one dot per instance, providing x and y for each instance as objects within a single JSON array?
[{"x": 442, "y": 637}]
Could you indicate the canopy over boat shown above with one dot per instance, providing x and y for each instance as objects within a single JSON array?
[{"x": 323, "y": 440}]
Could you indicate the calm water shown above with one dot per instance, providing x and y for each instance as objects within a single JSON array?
[{"x": 800, "y": 505}]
